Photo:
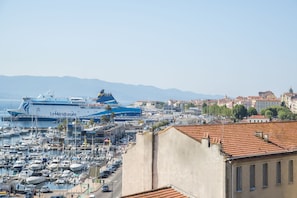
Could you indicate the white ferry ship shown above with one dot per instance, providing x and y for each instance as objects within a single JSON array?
[{"x": 48, "y": 106}]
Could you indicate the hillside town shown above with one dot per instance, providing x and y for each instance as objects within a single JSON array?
[{"x": 241, "y": 147}]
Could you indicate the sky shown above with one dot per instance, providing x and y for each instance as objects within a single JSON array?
[{"x": 233, "y": 48}]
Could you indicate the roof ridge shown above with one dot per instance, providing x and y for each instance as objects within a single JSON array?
[
  {"x": 182, "y": 191},
  {"x": 240, "y": 139}
]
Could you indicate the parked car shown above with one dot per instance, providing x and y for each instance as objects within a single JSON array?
[
  {"x": 29, "y": 195},
  {"x": 45, "y": 189},
  {"x": 105, "y": 188},
  {"x": 58, "y": 196},
  {"x": 104, "y": 174}
]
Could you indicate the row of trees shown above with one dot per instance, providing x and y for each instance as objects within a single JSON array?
[
  {"x": 280, "y": 112},
  {"x": 240, "y": 111}
]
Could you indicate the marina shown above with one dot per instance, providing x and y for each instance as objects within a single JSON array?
[{"x": 36, "y": 158}]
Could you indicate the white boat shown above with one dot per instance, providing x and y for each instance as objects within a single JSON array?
[
  {"x": 25, "y": 173},
  {"x": 66, "y": 174},
  {"x": 48, "y": 106},
  {"x": 60, "y": 181},
  {"x": 36, "y": 165},
  {"x": 65, "y": 164},
  {"x": 54, "y": 164},
  {"x": 22, "y": 147},
  {"x": 35, "y": 179},
  {"x": 45, "y": 172},
  {"x": 76, "y": 166},
  {"x": 19, "y": 164}
]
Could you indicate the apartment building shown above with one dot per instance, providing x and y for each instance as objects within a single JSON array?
[
  {"x": 244, "y": 160},
  {"x": 260, "y": 104},
  {"x": 290, "y": 100}
]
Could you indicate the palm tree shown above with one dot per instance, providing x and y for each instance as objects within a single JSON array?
[{"x": 109, "y": 109}]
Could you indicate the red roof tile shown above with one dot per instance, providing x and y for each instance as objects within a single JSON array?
[
  {"x": 165, "y": 192},
  {"x": 239, "y": 140}
]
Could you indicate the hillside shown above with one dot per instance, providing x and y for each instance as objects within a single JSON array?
[{"x": 16, "y": 87}]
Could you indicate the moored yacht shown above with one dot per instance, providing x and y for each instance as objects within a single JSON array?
[
  {"x": 35, "y": 179},
  {"x": 36, "y": 165},
  {"x": 65, "y": 164},
  {"x": 76, "y": 166},
  {"x": 54, "y": 164},
  {"x": 19, "y": 164}
]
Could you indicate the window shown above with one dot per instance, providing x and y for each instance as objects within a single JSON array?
[
  {"x": 278, "y": 173},
  {"x": 290, "y": 172},
  {"x": 265, "y": 175},
  {"x": 252, "y": 177},
  {"x": 238, "y": 179}
]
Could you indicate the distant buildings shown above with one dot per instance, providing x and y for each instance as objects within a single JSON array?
[
  {"x": 256, "y": 160},
  {"x": 264, "y": 100},
  {"x": 290, "y": 100}
]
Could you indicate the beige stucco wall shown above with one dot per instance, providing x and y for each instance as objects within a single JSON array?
[
  {"x": 283, "y": 190},
  {"x": 191, "y": 166},
  {"x": 137, "y": 165}
]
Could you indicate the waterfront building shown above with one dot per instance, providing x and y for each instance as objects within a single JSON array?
[{"x": 244, "y": 160}]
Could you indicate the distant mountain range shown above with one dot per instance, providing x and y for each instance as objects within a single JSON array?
[{"x": 16, "y": 87}]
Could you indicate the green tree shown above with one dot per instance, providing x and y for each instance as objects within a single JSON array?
[
  {"x": 204, "y": 108},
  {"x": 63, "y": 125},
  {"x": 225, "y": 111},
  {"x": 239, "y": 112},
  {"x": 252, "y": 111},
  {"x": 268, "y": 114},
  {"x": 283, "y": 115},
  {"x": 214, "y": 110},
  {"x": 159, "y": 125},
  {"x": 91, "y": 122},
  {"x": 188, "y": 105},
  {"x": 112, "y": 116},
  {"x": 280, "y": 112},
  {"x": 104, "y": 119},
  {"x": 109, "y": 110}
]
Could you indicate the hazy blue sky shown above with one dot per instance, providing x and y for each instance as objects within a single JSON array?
[{"x": 211, "y": 47}]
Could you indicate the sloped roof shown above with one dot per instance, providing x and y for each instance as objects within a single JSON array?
[
  {"x": 240, "y": 140},
  {"x": 164, "y": 192},
  {"x": 257, "y": 117}
]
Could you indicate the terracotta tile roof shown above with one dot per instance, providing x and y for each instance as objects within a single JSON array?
[
  {"x": 257, "y": 117},
  {"x": 240, "y": 140},
  {"x": 165, "y": 192}
]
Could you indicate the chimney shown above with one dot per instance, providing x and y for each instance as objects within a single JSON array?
[
  {"x": 266, "y": 137},
  {"x": 259, "y": 134},
  {"x": 205, "y": 140}
]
